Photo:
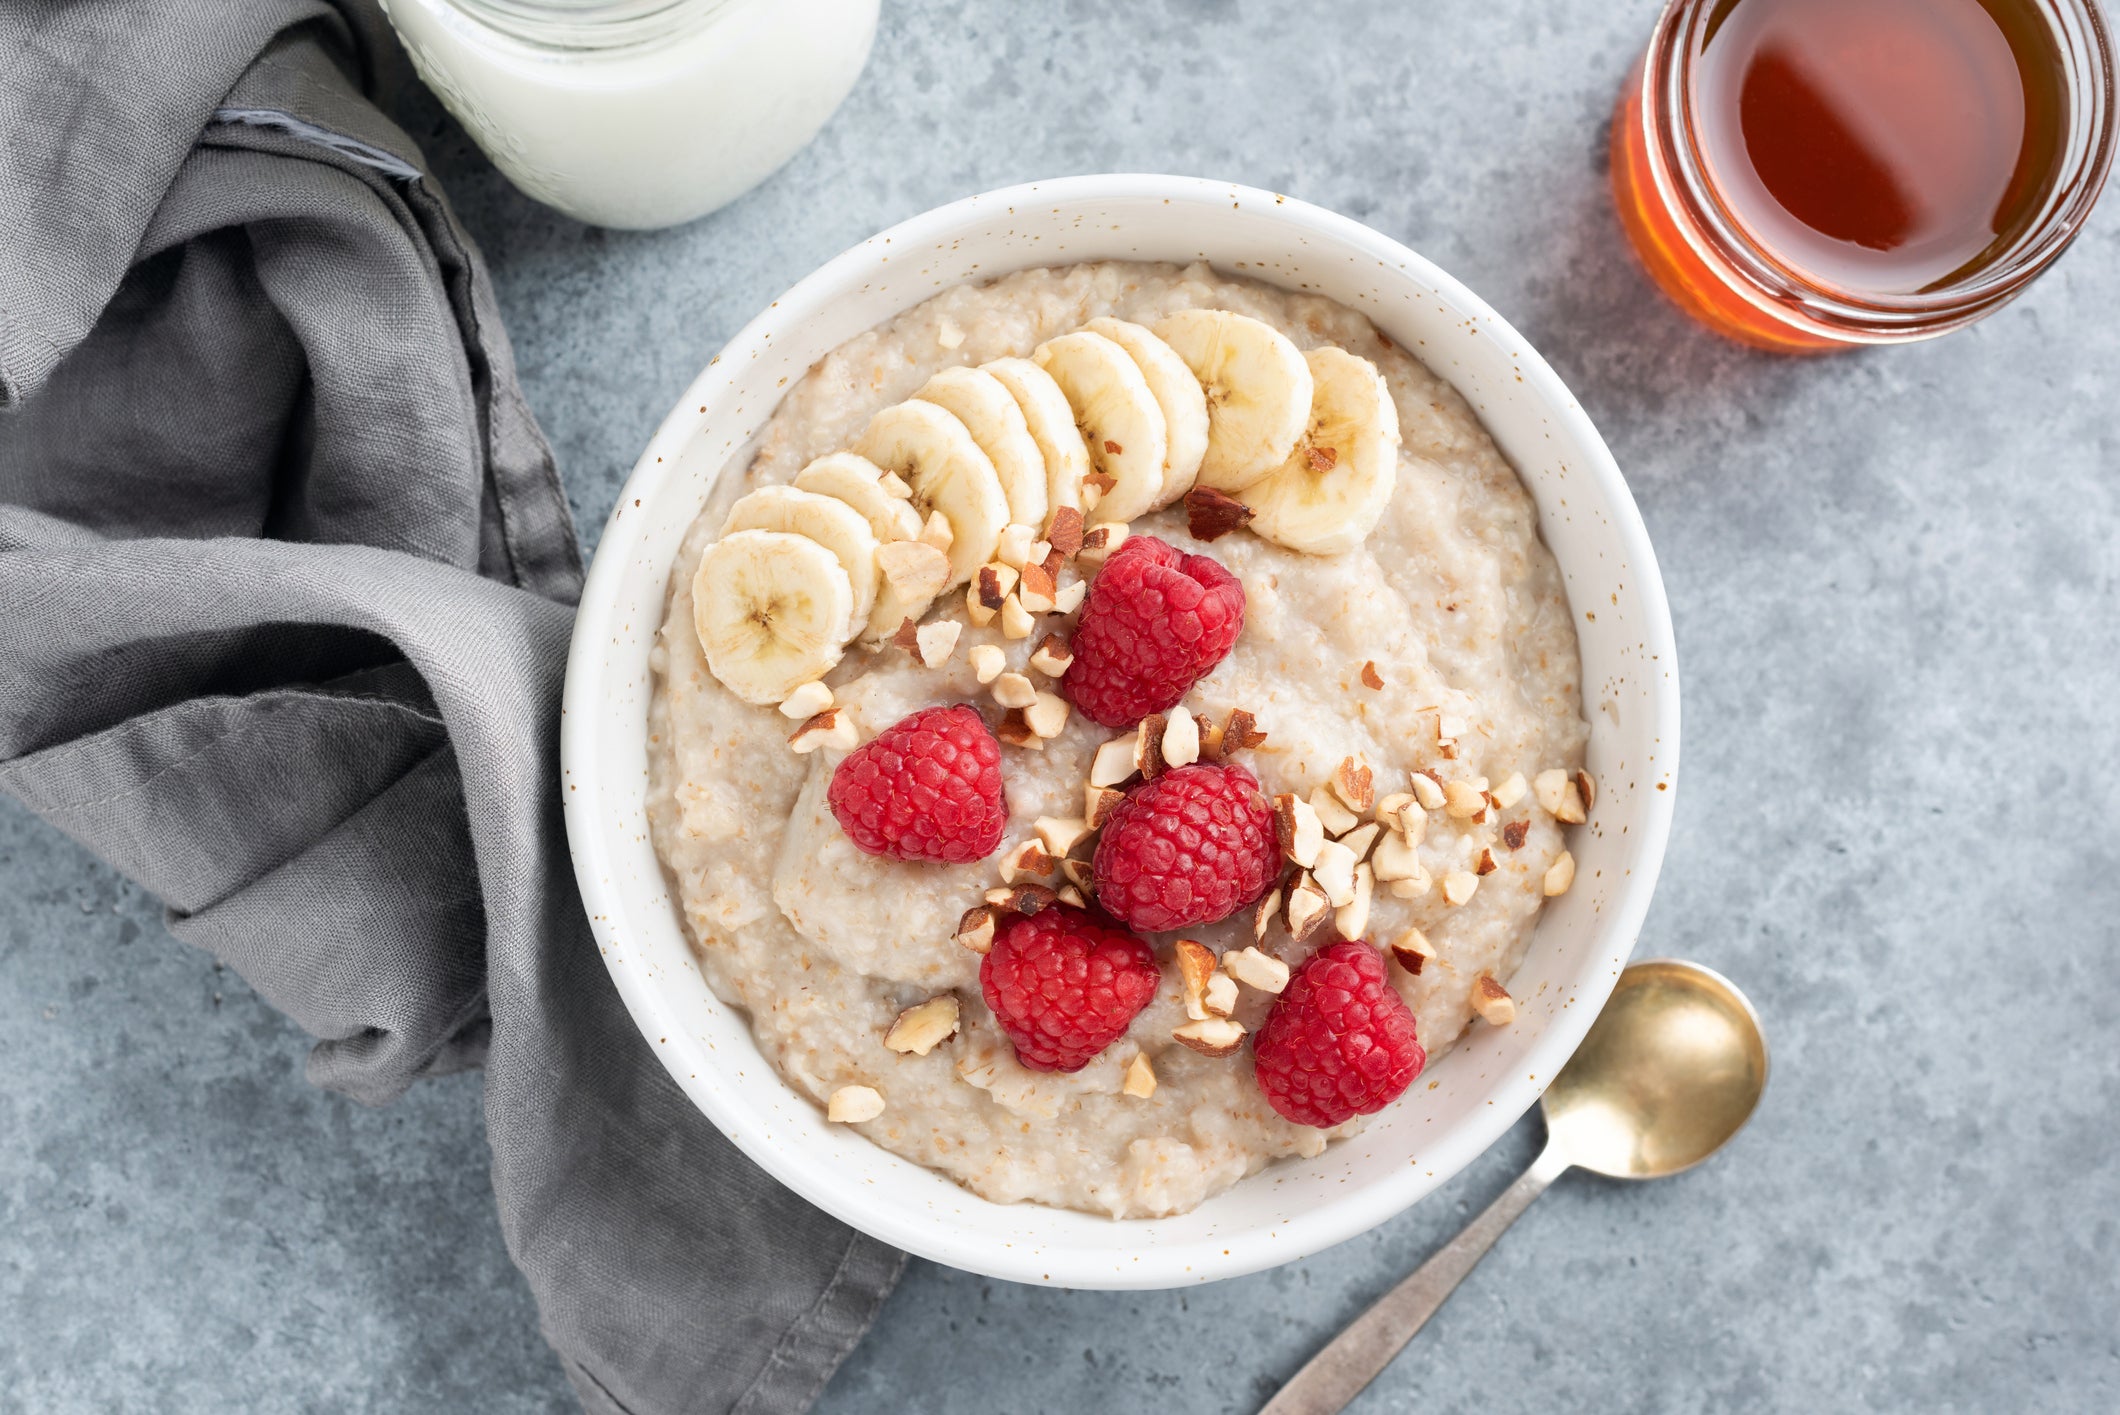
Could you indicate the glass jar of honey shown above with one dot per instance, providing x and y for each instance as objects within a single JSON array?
[{"x": 1809, "y": 175}]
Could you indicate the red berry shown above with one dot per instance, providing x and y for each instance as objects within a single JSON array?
[
  {"x": 1157, "y": 621},
  {"x": 1064, "y": 984},
  {"x": 1339, "y": 1041},
  {"x": 1193, "y": 846},
  {"x": 927, "y": 788}
]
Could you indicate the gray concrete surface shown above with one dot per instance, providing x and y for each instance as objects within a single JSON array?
[{"x": 1894, "y": 577}]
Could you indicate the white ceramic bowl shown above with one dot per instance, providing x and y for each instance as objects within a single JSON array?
[{"x": 1464, "y": 1101}]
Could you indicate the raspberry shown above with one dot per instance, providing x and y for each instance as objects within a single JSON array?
[
  {"x": 928, "y": 788},
  {"x": 1157, "y": 621},
  {"x": 1339, "y": 1042},
  {"x": 1193, "y": 846},
  {"x": 1064, "y": 984}
]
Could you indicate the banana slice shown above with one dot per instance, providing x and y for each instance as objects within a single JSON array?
[
  {"x": 1177, "y": 393},
  {"x": 1119, "y": 417},
  {"x": 771, "y": 610},
  {"x": 1328, "y": 495},
  {"x": 1258, "y": 392},
  {"x": 936, "y": 454},
  {"x": 859, "y": 483},
  {"x": 827, "y": 520},
  {"x": 990, "y": 413},
  {"x": 1052, "y": 426}
]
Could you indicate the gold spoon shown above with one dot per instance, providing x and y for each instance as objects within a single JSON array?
[{"x": 1671, "y": 1069}]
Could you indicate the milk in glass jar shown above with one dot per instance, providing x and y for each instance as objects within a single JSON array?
[{"x": 638, "y": 113}]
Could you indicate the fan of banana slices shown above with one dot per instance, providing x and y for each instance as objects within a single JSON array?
[{"x": 1104, "y": 424}]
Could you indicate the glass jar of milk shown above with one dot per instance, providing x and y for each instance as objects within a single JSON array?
[{"x": 638, "y": 113}]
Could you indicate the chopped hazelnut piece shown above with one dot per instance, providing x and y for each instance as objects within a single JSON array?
[
  {"x": 1242, "y": 732},
  {"x": 1068, "y": 598},
  {"x": 1217, "y": 1036},
  {"x": 987, "y": 661},
  {"x": 1078, "y": 873},
  {"x": 1560, "y": 874},
  {"x": 1140, "y": 1077},
  {"x": 976, "y": 929},
  {"x": 936, "y": 531},
  {"x": 1396, "y": 809},
  {"x": 1060, "y": 834},
  {"x": 1196, "y": 964},
  {"x": 1256, "y": 969},
  {"x": 1211, "y": 735},
  {"x": 1113, "y": 763},
  {"x": 1100, "y": 540},
  {"x": 1220, "y": 998},
  {"x": 1030, "y": 857},
  {"x": 1550, "y": 787},
  {"x": 806, "y": 702},
  {"x": 1458, "y": 886},
  {"x": 1065, "y": 533},
  {"x": 1014, "y": 547},
  {"x": 937, "y": 640},
  {"x": 1371, "y": 679},
  {"x": 1047, "y": 716},
  {"x": 1068, "y": 894},
  {"x": 1414, "y": 886},
  {"x": 1428, "y": 791},
  {"x": 1181, "y": 738},
  {"x": 1412, "y": 950},
  {"x": 1448, "y": 728},
  {"x": 1014, "y": 690},
  {"x": 1148, "y": 746},
  {"x": 1300, "y": 831},
  {"x": 834, "y": 727},
  {"x": 850, "y": 1105},
  {"x": 1052, "y": 656},
  {"x": 1016, "y": 621},
  {"x": 907, "y": 636},
  {"x": 1037, "y": 589},
  {"x": 1395, "y": 858},
  {"x": 1334, "y": 872},
  {"x": 1462, "y": 800},
  {"x": 1361, "y": 838},
  {"x": 1021, "y": 899},
  {"x": 896, "y": 487},
  {"x": 1486, "y": 864},
  {"x": 1515, "y": 833},
  {"x": 1586, "y": 787},
  {"x": 1263, "y": 912},
  {"x": 924, "y": 1026},
  {"x": 1511, "y": 791},
  {"x": 1492, "y": 1001},
  {"x": 1354, "y": 783},
  {"x": 1212, "y": 514},
  {"x": 1308, "y": 908},
  {"x": 915, "y": 569},
  {"x": 1098, "y": 802},
  {"x": 1014, "y": 728},
  {"x": 1336, "y": 818},
  {"x": 1352, "y": 918}
]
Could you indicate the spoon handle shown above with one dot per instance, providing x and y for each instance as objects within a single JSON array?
[{"x": 1357, "y": 1355}]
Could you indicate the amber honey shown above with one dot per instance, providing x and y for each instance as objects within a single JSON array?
[{"x": 1806, "y": 174}]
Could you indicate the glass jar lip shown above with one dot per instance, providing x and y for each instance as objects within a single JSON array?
[
  {"x": 2081, "y": 29},
  {"x": 583, "y": 25}
]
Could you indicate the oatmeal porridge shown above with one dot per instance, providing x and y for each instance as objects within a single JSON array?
[{"x": 1080, "y": 659}]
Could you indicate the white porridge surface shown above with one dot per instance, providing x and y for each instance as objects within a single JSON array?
[{"x": 1453, "y": 598}]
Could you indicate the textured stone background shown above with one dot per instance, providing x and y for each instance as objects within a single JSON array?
[{"x": 1894, "y": 577}]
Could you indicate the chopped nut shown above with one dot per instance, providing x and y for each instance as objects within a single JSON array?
[
  {"x": 1021, "y": 899},
  {"x": 1096, "y": 486},
  {"x": 1052, "y": 656},
  {"x": 1462, "y": 800},
  {"x": 1014, "y": 547},
  {"x": 1427, "y": 791},
  {"x": 1078, "y": 873},
  {"x": 987, "y": 592},
  {"x": 1029, "y": 857},
  {"x": 1100, "y": 540},
  {"x": 937, "y": 640},
  {"x": 1217, "y": 1036},
  {"x": 834, "y": 727},
  {"x": 1242, "y": 733},
  {"x": 1449, "y": 728},
  {"x": 1220, "y": 999},
  {"x": 1308, "y": 908},
  {"x": 987, "y": 661},
  {"x": 1586, "y": 787},
  {"x": 1196, "y": 964},
  {"x": 1458, "y": 886},
  {"x": 936, "y": 531},
  {"x": 1334, "y": 872},
  {"x": 976, "y": 929},
  {"x": 1047, "y": 716},
  {"x": 1324, "y": 459},
  {"x": 1098, "y": 802},
  {"x": 907, "y": 636},
  {"x": 1016, "y": 621},
  {"x": 915, "y": 569},
  {"x": 1560, "y": 874},
  {"x": 1371, "y": 679},
  {"x": 1395, "y": 858},
  {"x": 1037, "y": 590},
  {"x": 1148, "y": 746},
  {"x": 1014, "y": 690},
  {"x": 1140, "y": 1077},
  {"x": 1181, "y": 738},
  {"x": 1336, "y": 818},
  {"x": 806, "y": 702},
  {"x": 1068, "y": 598},
  {"x": 1211, "y": 734},
  {"x": 1492, "y": 1001},
  {"x": 1360, "y": 839},
  {"x": 896, "y": 487},
  {"x": 948, "y": 334},
  {"x": 1015, "y": 729},
  {"x": 1414, "y": 885},
  {"x": 1211, "y": 514},
  {"x": 1515, "y": 833},
  {"x": 1486, "y": 864},
  {"x": 1352, "y": 918},
  {"x": 1550, "y": 787},
  {"x": 1256, "y": 969},
  {"x": 1397, "y": 809},
  {"x": 1069, "y": 894},
  {"x": 1412, "y": 950},
  {"x": 1354, "y": 783},
  {"x": 1113, "y": 763},
  {"x": 1300, "y": 831},
  {"x": 1511, "y": 791},
  {"x": 850, "y": 1105},
  {"x": 1065, "y": 533},
  {"x": 1263, "y": 912},
  {"x": 1059, "y": 834},
  {"x": 924, "y": 1026}
]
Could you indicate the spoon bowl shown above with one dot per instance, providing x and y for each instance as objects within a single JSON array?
[{"x": 1672, "y": 1068}]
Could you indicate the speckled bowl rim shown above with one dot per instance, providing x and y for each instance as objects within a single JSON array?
[{"x": 1498, "y": 1073}]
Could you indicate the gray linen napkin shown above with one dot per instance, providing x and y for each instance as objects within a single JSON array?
[{"x": 286, "y": 579}]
